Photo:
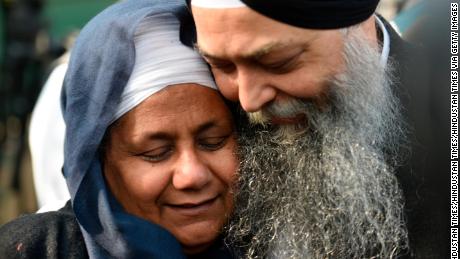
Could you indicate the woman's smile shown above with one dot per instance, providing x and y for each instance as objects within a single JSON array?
[
  {"x": 172, "y": 161},
  {"x": 194, "y": 208}
]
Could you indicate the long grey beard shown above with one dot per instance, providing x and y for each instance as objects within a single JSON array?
[{"x": 329, "y": 191}]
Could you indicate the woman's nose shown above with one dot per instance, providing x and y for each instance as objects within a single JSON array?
[{"x": 191, "y": 172}]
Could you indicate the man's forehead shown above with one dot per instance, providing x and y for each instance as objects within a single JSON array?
[
  {"x": 223, "y": 17},
  {"x": 247, "y": 34}
]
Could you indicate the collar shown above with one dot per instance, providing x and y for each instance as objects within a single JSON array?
[{"x": 385, "y": 42}]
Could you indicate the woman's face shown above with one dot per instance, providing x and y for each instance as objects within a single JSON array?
[{"x": 171, "y": 160}]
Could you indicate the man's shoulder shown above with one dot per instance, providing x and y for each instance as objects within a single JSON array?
[{"x": 53, "y": 234}]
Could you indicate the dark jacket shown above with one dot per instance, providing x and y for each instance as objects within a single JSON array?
[
  {"x": 56, "y": 234},
  {"x": 43, "y": 235},
  {"x": 427, "y": 165}
]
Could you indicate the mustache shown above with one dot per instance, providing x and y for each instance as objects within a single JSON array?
[{"x": 289, "y": 107}]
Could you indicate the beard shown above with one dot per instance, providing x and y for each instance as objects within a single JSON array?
[{"x": 326, "y": 188}]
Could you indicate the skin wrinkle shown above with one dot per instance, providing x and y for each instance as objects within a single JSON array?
[
  {"x": 251, "y": 83},
  {"x": 328, "y": 189},
  {"x": 186, "y": 172}
]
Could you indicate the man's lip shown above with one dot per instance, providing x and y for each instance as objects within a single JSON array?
[{"x": 299, "y": 118}]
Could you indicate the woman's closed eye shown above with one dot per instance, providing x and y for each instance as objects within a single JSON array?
[
  {"x": 212, "y": 143},
  {"x": 157, "y": 154}
]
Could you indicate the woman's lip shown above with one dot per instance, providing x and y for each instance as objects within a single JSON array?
[
  {"x": 192, "y": 209},
  {"x": 192, "y": 204},
  {"x": 299, "y": 118}
]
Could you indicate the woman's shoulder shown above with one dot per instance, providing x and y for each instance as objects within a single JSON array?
[{"x": 53, "y": 234}]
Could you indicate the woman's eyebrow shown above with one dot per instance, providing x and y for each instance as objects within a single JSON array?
[
  {"x": 158, "y": 135},
  {"x": 163, "y": 135},
  {"x": 205, "y": 126}
]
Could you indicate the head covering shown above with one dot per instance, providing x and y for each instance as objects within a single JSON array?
[
  {"x": 218, "y": 4},
  {"x": 311, "y": 14},
  {"x": 107, "y": 76},
  {"x": 161, "y": 60}
]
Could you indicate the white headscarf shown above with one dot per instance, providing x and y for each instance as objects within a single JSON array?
[
  {"x": 161, "y": 60},
  {"x": 218, "y": 3}
]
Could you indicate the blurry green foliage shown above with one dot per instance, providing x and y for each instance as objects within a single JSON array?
[
  {"x": 65, "y": 16},
  {"x": 62, "y": 17}
]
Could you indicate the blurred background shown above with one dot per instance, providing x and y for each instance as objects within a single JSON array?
[{"x": 34, "y": 36}]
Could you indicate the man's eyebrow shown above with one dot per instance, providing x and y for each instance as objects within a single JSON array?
[
  {"x": 204, "y": 53},
  {"x": 264, "y": 50},
  {"x": 256, "y": 54}
]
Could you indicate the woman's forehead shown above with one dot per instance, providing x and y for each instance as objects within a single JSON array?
[
  {"x": 175, "y": 107},
  {"x": 182, "y": 97}
]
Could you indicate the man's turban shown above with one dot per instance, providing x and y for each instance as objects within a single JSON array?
[{"x": 312, "y": 14}]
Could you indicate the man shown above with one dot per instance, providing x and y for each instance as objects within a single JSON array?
[{"x": 330, "y": 168}]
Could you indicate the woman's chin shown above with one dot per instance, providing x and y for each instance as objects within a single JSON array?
[{"x": 198, "y": 236}]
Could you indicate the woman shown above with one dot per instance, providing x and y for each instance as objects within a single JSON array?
[{"x": 149, "y": 150}]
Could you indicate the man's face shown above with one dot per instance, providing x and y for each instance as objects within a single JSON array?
[
  {"x": 268, "y": 63},
  {"x": 327, "y": 189}
]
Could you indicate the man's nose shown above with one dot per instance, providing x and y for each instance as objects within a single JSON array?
[
  {"x": 191, "y": 172},
  {"x": 254, "y": 89}
]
